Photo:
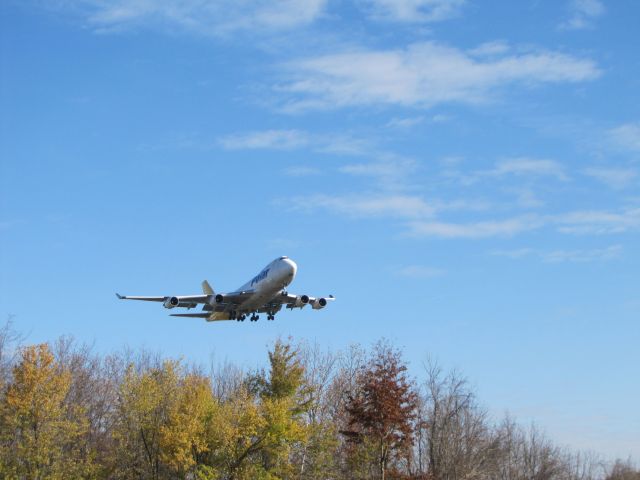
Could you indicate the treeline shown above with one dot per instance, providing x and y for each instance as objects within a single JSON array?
[{"x": 68, "y": 413}]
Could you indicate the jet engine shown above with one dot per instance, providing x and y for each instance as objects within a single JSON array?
[
  {"x": 304, "y": 299},
  {"x": 171, "y": 302},
  {"x": 219, "y": 298},
  {"x": 298, "y": 303},
  {"x": 319, "y": 303}
]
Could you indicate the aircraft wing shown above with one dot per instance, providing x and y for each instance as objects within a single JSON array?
[
  {"x": 186, "y": 301},
  {"x": 182, "y": 298},
  {"x": 299, "y": 301}
]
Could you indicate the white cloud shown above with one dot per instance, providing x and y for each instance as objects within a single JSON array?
[
  {"x": 527, "y": 198},
  {"x": 489, "y": 49},
  {"x": 220, "y": 17},
  {"x": 423, "y": 219},
  {"x": 419, "y": 271},
  {"x": 483, "y": 229},
  {"x": 406, "y": 122},
  {"x": 558, "y": 256},
  {"x": 514, "y": 253},
  {"x": 521, "y": 167},
  {"x": 626, "y": 136},
  {"x": 598, "y": 254},
  {"x": 599, "y": 222},
  {"x": 422, "y": 75},
  {"x": 529, "y": 167},
  {"x": 389, "y": 171},
  {"x": 617, "y": 178},
  {"x": 414, "y": 11},
  {"x": 583, "y": 13},
  {"x": 342, "y": 145},
  {"x": 395, "y": 206},
  {"x": 266, "y": 139},
  {"x": 296, "y": 139}
]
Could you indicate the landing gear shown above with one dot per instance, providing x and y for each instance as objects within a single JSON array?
[
  {"x": 238, "y": 317},
  {"x": 255, "y": 317}
]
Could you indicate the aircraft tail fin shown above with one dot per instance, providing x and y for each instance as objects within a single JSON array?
[{"x": 206, "y": 288}]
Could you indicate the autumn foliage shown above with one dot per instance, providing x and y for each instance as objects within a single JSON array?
[{"x": 66, "y": 413}]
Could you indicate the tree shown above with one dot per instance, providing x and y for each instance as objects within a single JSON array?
[
  {"x": 143, "y": 407},
  {"x": 455, "y": 437},
  {"x": 383, "y": 407},
  {"x": 623, "y": 471},
  {"x": 39, "y": 433},
  {"x": 182, "y": 439},
  {"x": 253, "y": 429}
]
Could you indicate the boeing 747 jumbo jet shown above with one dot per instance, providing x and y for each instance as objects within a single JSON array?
[{"x": 266, "y": 292}]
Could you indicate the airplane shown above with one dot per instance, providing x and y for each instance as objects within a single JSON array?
[{"x": 264, "y": 293}]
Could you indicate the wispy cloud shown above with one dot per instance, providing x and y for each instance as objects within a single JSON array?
[
  {"x": 583, "y": 13},
  {"x": 473, "y": 230},
  {"x": 598, "y": 254},
  {"x": 221, "y": 17},
  {"x": 376, "y": 205},
  {"x": 626, "y": 136},
  {"x": 513, "y": 253},
  {"x": 526, "y": 169},
  {"x": 340, "y": 144},
  {"x": 405, "y": 122},
  {"x": 577, "y": 222},
  {"x": 422, "y": 75},
  {"x": 529, "y": 167},
  {"x": 617, "y": 178},
  {"x": 266, "y": 139},
  {"x": 526, "y": 197},
  {"x": 419, "y": 271},
  {"x": 560, "y": 256},
  {"x": 413, "y": 11},
  {"x": 599, "y": 222},
  {"x": 389, "y": 171},
  {"x": 490, "y": 49},
  {"x": 421, "y": 218}
]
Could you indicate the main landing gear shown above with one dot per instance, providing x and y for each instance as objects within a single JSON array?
[{"x": 254, "y": 316}]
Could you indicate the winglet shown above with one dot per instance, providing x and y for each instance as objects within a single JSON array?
[
  {"x": 121, "y": 297},
  {"x": 206, "y": 288}
]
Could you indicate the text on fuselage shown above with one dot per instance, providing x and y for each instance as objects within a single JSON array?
[{"x": 261, "y": 276}]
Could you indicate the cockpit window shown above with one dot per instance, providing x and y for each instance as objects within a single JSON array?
[{"x": 282, "y": 258}]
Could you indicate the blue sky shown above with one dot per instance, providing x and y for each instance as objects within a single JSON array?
[{"x": 464, "y": 176}]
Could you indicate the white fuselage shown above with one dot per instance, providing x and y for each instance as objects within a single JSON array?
[{"x": 271, "y": 280}]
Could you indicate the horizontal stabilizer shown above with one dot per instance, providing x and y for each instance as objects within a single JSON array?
[
  {"x": 210, "y": 317},
  {"x": 191, "y": 315}
]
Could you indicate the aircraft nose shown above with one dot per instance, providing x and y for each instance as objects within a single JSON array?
[{"x": 291, "y": 266}]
